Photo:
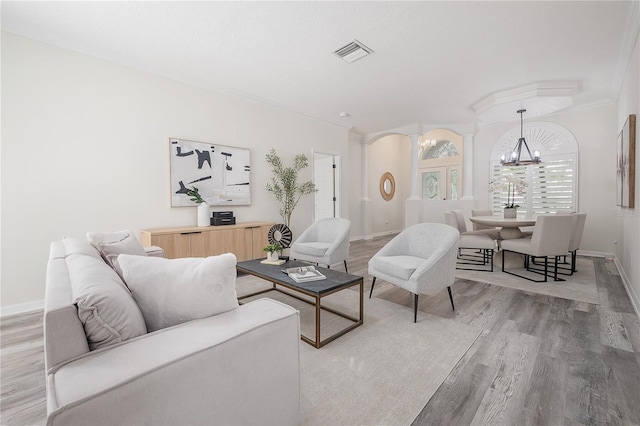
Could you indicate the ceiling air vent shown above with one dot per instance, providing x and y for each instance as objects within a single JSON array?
[{"x": 353, "y": 51}]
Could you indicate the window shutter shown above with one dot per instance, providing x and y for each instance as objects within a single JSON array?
[{"x": 551, "y": 186}]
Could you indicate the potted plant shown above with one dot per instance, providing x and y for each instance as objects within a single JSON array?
[
  {"x": 203, "y": 207},
  {"x": 284, "y": 183},
  {"x": 511, "y": 184},
  {"x": 273, "y": 251}
]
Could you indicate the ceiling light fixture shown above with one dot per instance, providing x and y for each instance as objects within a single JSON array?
[
  {"x": 425, "y": 144},
  {"x": 514, "y": 158}
]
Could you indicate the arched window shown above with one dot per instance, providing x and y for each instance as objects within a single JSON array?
[
  {"x": 551, "y": 185},
  {"x": 440, "y": 165},
  {"x": 440, "y": 149}
]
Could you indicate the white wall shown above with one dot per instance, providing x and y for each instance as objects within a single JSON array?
[
  {"x": 389, "y": 154},
  {"x": 85, "y": 148},
  {"x": 627, "y": 250},
  {"x": 595, "y": 131}
]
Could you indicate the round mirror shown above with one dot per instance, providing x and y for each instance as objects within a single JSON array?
[{"x": 387, "y": 186}]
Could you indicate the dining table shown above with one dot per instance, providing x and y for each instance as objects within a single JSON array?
[{"x": 509, "y": 227}]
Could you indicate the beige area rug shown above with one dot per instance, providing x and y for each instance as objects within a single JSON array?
[
  {"x": 383, "y": 372},
  {"x": 581, "y": 286}
]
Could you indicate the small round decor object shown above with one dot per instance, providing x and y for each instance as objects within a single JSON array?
[{"x": 280, "y": 233}]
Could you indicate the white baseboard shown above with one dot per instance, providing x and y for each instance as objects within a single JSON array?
[
  {"x": 382, "y": 234},
  {"x": 635, "y": 300},
  {"x": 374, "y": 235},
  {"x": 21, "y": 308},
  {"x": 594, "y": 253}
]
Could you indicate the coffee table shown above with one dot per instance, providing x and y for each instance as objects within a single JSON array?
[{"x": 336, "y": 281}]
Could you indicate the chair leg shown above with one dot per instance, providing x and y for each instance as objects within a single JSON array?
[
  {"x": 451, "y": 298},
  {"x": 546, "y": 267},
  {"x": 345, "y": 266},
  {"x": 415, "y": 308},
  {"x": 372, "y": 284}
]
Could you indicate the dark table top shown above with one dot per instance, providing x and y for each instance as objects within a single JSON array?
[{"x": 335, "y": 279}]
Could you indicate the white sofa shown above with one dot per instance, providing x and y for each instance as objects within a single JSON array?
[{"x": 237, "y": 367}]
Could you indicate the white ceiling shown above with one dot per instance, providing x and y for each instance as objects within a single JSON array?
[{"x": 432, "y": 60}]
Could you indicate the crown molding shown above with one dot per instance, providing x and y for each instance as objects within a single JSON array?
[
  {"x": 540, "y": 98},
  {"x": 541, "y": 88}
]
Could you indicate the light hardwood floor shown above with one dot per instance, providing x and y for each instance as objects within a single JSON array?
[{"x": 539, "y": 359}]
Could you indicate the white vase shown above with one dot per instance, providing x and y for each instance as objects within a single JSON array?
[
  {"x": 272, "y": 256},
  {"x": 510, "y": 212},
  {"x": 204, "y": 214}
]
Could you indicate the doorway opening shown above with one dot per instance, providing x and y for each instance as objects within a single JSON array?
[
  {"x": 440, "y": 165},
  {"x": 326, "y": 177}
]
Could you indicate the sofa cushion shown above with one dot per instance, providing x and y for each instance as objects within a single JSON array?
[
  {"x": 173, "y": 291},
  {"x": 398, "y": 266},
  {"x": 316, "y": 248},
  {"x": 111, "y": 244},
  {"x": 107, "y": 311},
  {"x": 69, "y": 246}
]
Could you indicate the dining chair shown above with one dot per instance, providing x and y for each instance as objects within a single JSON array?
[
  {"x": 483, "y": 245},
  {"x": 579, "y": 220},
  {"x": 576, "y": 238},
  {"x": 551, "y": 238},
  {"x": 420, "y": 259},
  {"x": 325, "y": 242},
  {"x": 481, "y": 212},
  {"x": 462, "y": 226}
]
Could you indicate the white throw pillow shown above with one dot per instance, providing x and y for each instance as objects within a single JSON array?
[
  {"x": 173, "y": 291},
  {"x": 111, "y": 244},
  {"x": 107, "y": 311}
]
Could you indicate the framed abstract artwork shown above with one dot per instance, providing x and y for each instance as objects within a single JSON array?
[
  {"x": 626, "y": 168},
  {"x": 221, "y": 173}
]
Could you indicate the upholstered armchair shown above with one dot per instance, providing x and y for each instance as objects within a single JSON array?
[
  {"x": 421, "y": 259},
  {"x": 325, "y": 242}
]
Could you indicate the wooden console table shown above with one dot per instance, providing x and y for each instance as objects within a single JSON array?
[{"x": 245, "y": 240}]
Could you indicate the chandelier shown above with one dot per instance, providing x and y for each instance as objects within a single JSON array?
[
  {"x": 514, "y": 158},
  {"x": 425, "y": 144}
]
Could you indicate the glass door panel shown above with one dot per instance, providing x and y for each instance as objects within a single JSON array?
[
  {"x": 454, "y": 183},
  {"x": 433, "y": 183}
]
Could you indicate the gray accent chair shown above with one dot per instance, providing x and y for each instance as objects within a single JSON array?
[
  {"x": 325, "y": 242},
  {"x": 551, "y": 238},
  {"x": 421, "y": 259},
  {"x": 482, "y": 245}
]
